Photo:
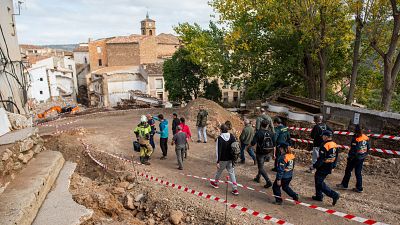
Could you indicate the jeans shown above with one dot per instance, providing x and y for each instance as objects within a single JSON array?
[
  {"x": 164, "y": 146},
  {"x": 261, "y": 158},
  {"x": 315, "y": 155},
  {"x": 202, "y": 131},
  {"x": 153, "y": 145},
  {"x": 180, "y": 150},
  {"x": 231, "y": 171},
  {"x": 285, "y": 182},
  {"x": 321, "y": 188},
  {"x": 357, "y": 165},
  {"x": 250, "y": 151}
]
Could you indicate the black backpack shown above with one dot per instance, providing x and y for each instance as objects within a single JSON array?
[{"x": 267, "y": 145}]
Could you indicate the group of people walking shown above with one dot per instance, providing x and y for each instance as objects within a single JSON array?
[{"x": 269, "y": 139}]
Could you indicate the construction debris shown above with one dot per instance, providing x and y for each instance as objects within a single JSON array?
[{"x": 137, "y": 99}]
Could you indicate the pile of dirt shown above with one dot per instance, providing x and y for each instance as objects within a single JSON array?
[{"x": 216, "y": 116}]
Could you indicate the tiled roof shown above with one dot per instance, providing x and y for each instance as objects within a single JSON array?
[
  {"x": 35, "y": 58},
  {"x": 167, "y": 39},
  {"x": 81, "y": 49},
  {"x": 30, "y": 46},
  {"x": 117, "y": 69},
  {"x": 154, "y": 68},
  {"x": 134, "y": 38}
]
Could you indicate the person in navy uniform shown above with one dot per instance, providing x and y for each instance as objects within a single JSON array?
[
  {"x": 358, "y": 152},
  {"x": 284, "y": 174},
  {"x": 326, "y": 162}
]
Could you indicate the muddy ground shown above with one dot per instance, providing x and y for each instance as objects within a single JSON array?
[{"x": 105, "y": 192}]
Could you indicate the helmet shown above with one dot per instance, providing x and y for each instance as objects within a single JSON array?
[{"x": 143, "y": 118}]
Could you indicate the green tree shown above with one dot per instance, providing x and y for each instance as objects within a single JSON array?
[
  {"x": 212, "y": 91},
  {"x": 182, "y": 76}
]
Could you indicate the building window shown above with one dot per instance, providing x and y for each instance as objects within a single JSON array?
[
  {"x": 226, "y": 97},
  {"x": 160, "y": 95},
  {"x": 41, "y": 92},
  {"x": 100, "y": 62},
  {"x": 159, "y": 84},
  {"x": 85, "y": 60},
  {"x": 151, "y": 32},
  {"x": 235, "y": 96},
  {"x": 41, "y": 79},
  {"x": 98, "y": 49},
  {"x": 70, "y": 67},
  {"x": 143, "y": 32}
]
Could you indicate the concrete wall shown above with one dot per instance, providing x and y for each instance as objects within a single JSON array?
[
  {"x": 376, "y": 121},
  {"x": 123, "y": 54},
  {"x": 155, "y": 92},
  {"x": 10, "y": 88},
  {"x": 118, "y": 87}
]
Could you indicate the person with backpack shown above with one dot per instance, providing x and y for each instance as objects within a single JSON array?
[
  {"x": 163, "y": 135},
  {"x": 201, "y": 124},
  {"x": 326, "y": 162},
  {"x": 225, "y": 158},
  {"x": 316, "y": 135},
  {"x": 142, "y": 132},
  {"x": 245, "y": 139},
  {"x": 282, "y": 136},
  {"x": 180, "y": 140},
  {"x": 265, "y": 141},
  {"x": 263, "y": 116},
  {"x": 358, "y": 152},
  {"x": 284, "y": 175}
]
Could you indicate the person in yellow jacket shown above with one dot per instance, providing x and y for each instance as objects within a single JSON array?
[{"x": 142, "y": 132}]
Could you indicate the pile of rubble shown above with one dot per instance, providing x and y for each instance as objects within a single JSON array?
[{"x": 138, "y": 100}]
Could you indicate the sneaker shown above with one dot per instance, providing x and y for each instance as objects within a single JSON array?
[
  {"x": 277, "y": 203},
  {"x": 340, "y": 186},
  {"x": 357, "y": 190},
  {"x": 257, "y": 180},
  {"x": 214, "y": 184},
  {"x": 268, "y": 185},
  {"x": 315, "y": 198},
  {"x": 198, "y": 141},
  {"x": 180, "y": 168},
  {"x": 296, "y": 198},
  {"x": 235, "y": 192},
  {"x": 205, "y": 142},
  {"x": 164, "y": 157},
  {"x": 335, "y": 199}
]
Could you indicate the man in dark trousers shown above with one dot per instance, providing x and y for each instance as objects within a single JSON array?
[
  {"x": 175, "y": 123},
  {"x": 163, "y": 135},
  {"x": 265, "y": 141},
  {"x": 245, "y": 139},
  {"x": 316, "y": 135},
  {"x": 326, "y": 162},
  {"x": 180, "y": 141}
]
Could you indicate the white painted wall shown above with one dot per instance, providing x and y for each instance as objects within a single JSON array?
[
  {"x": 39, "y": 88},
  {"x": 118, "y": 90},
  {"x": 79, "y": 57}
]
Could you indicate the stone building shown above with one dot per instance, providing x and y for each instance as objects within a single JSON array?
[{"x": 140, "y": 58}]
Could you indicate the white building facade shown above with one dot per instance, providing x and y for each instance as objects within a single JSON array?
[{"x": 51, "y": 78}]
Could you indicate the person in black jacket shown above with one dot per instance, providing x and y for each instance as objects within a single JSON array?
[
  {"x": 175, "y": 123},
  {"x": 224, "y": 158},
  {"x": 316, "y": 135},
  {"x": 326, "y": 162},
  {"x": 359, "y": 150}
]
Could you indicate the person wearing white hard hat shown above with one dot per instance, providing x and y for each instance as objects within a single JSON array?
[{"x": 142, "y": 132}]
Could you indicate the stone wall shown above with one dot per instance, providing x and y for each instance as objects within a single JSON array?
[
  {"x": 166, "y": 50},
  {"x": 148, "y": 50},
  {"x": 94, "y": 55},
  {"x": 123, "y": 54}
]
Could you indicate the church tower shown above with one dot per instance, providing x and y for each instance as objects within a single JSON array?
[{"x": 148, "y": 26}]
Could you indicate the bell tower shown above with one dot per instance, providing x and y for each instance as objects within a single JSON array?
[{"x": 148, "y": 26}]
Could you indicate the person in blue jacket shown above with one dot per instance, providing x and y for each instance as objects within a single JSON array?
[
  {"x": 284, "y": 174},
  {"x": 359, "y": 150},
  {"x": 163, "y": 134}
]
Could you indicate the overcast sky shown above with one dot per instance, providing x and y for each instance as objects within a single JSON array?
[{"x": 74, "y": 21}]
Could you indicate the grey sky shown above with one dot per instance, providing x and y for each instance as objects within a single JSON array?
[{"x": 74, "y": 21}]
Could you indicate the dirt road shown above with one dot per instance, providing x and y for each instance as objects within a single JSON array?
[{"x": 113, "y": 133}]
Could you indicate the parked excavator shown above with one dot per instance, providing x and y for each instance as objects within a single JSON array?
[{"x": 59, "y": 110}]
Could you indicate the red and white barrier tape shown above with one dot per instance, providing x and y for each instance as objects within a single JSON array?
[
  {"x": 386, "y": 151},
  {"x": 197, "y": 193},
  {"x": 329, "y": 211},
  {"x": 381, "y": 136},
  {"x": 57, "y": 125}
]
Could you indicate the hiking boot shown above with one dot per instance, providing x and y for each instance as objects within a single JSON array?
[
  {"x": 316, "y": 198},
  {"x": 357, "y": 190},
  {"x": 257, "y": 180},
  {"x": 214, "y": 184},
  {"x": 335, "y": 199},
  {"x": 268, "y": 184},
  {"x": 180, "y": 168},
  {"x": 146, "y": 163},
  {"x": 235, "y": 192},
  {"x": 341, "y": 186},
  {"x": 277, "y": 203},
  {"x": 296, "y": 198}
]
